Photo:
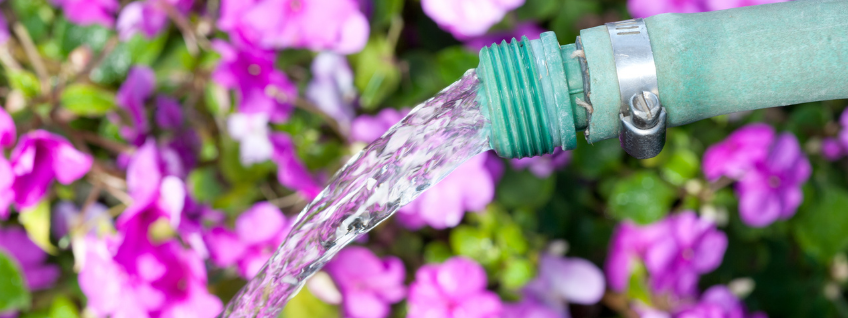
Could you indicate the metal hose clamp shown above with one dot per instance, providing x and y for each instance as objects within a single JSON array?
[{"x": 643, "y": 119}]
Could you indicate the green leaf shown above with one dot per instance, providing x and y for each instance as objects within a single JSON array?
[
  {"x": 821, "y": 224},
  {"x": 637, "y": 286},
  {"x": 517, "y": 272},
  {"x": 376, "y": 74},
  {"x": 305, "y": 304},
  {"x": 73, "y": 35},
  {"x": 384, "y": 10},
  {"x": 454, "y": 61},
  {"x": 87, "y": 100},
  {"x": 25, "y": 82},
  {"x": 682, "y": 166},
  {"x": 473, "y": 243},
  {"x": 35, "y": 15},
  {"x": 63, "y": 307},
  {"x": 537, "y": 10},
  {"x": 36, "y": 221},
  {"x": 565, "y": 22},
  {"x": 13, "y": 292},
  {"x": 436, "y": 252},
  {"x": 203, "y": 184},
  {"x": 642, "y": 197},
  {"x": 144, "y": 51},
  {"x": 114, "y": 67},
  {"x": 596, "y": 159},
  {"x": 511, "y": 239},
  {"x": 524, "y": 189}
]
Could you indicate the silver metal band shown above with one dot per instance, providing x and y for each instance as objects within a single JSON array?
[{"x": 642, "y": 132}]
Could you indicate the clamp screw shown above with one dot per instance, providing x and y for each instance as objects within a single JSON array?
[{"x": 642, "y": 132}]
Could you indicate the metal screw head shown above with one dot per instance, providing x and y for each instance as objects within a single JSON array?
[{"x": 645, "y": 109}]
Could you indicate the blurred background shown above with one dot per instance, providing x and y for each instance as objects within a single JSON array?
[{"x": 156, "y": 153}]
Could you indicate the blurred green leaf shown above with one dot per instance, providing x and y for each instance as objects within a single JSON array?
[
  {"x": 524, "y": 189},
  {"x": 62, "y": 307},
  {"x": 36, "y": 221},
  {"x": 144, "y": 51},
  {"x": 13, "y": 292},
  {"x": 436, "y": 252},
  {"x": 454, "y": 61},
  {"x": 35, "y": 16},
  {"x": 376, "y": 74},
  {"x": 232, "y": 169},
  {"x": 203, "y": 184},
  {"x": 596, "y": 159},
  {"x": 71, "y": 36},
  {"x": 682, "y": 166},
  {"x": 538, "y": 10},
  {"x": 25, "y": 82},
  {"x": 642, "y": 197},
  {"x": 821, "y": 224},
  {"x": 473, "y": 243},
  {"x": 384, "y": 11},
  {"x": 510, "y": 237},
  {"x": 570, "y": 12},
  {"x": 517, "y": 272},
  {"x": 87, "y": 100},
  {"x": 637, "y": 285},
  {"x": 114, "y": 67},
  {"x": 305, "y": 304}
]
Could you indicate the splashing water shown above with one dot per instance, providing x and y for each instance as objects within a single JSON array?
[{"x": 429, "y": 143}]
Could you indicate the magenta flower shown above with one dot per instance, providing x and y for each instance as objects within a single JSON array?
[
  {"x": 529, "y": 308},
  {"x": 129, "y": 276},
  {"x": 562, "y": 280},
  {"x": 38, "y": 158},
  {"x": 251, "y": 131},
  {"x": 843, "y": 133},
  {"x": 67, "y": 217},
  {"x": 714, "y": 5},
  {"x": 136, "y": 89},
  {"x": 260, "y": 87},
  {"x": 169, "y": 114},
  {"x": 675, "y": 251},
  {"x": 37, "y": 275},
  {"x": 8, "y": 133},
  {"x": 543, "y": 166},
  {"x": 528, "y": 29},
  {"x": 86, "y": 12},
  {"x": 335, "y": 25},
  {"x": 772, "y": 189},
  {"x": 718, "y": 302},
  {"x": 739, "y": 152},
  {"x": 258, "y": 233},
  {"x": 367, "y": 128},
  {"x": 290, "y": 171},
  {"x": 331, "y": 88},
  {"x": 468, "y": 18},
  {"x": 148, "y": 17},
  {"x": 646, "y": 8},
  {"x": 369, "y": 285},
  {"x": 454, "y": 289},
  {"x": 4, "y": 29},
  {"x": 832, "y": 149}
]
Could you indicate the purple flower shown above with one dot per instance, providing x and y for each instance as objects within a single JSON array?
[
  {"x": 832, "y": 149},
  {"x": 38, "y": 158},
  {"x": 68, "y": 218},
  {"x": 290, "y": 171},
  {"x": 7, "y": 128},
  {"x": 169, "y": 114},
  {"x": 529, "y": 308},
  {"x": 646, "y": 8},
  {"x": 129, "y": 276},
  {"x": 529, "y": 29},
  {"x": 543, "y": 166},
  {"x": 468, "y": 18},
  {"x": 37, "y": 275},
  {"x": 331, "y": 88},
  {"x": 739, "y": 152},
  {"x": 367, "y": 128},
  {"x": 717, "y": 302},
  {"x": 843, "y": 134},
  {"x": 772, "y": 189},
  {"x": 562, "y": 280},
  {"x": 335, "y": 25},
  {"x": 87, "y": 12},
  {"x": 148, "y": 17},
  {"x": 260, "y": 87},
  {"x": 251, "y": 131},
  {"x": 136, "y": 89},
  {"x": 258, "y": 233},
  {"x": 468, "y": 188},
  {"x": 675, "y": 251},
  {"x": 4, "y": 29},
  {"x": 454, "y": 289},
  {"x": 713, "y": 5},
  {"x": 368, "y": 284}
]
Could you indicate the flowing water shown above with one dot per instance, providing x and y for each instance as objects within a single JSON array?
[{"x": 435, "y": 138}]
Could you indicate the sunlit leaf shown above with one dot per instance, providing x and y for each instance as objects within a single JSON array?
[
  {"x": 87, "y": 100},
  {"x": 642, "y": 197},
  {"x": 13, "y": 292},
  {"x": 36, "y": 221}
]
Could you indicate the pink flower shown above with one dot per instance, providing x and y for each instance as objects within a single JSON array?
[
  {"x": 260, "y": 87},
  {"x": 368, "y": 284},
  {"x": 38, "y": 158},
  {"x": 88, "y": 12},
  {"x": 675, "y": 251},
  {"x": 832, "y": 149},
  {"x": 258, "y": 233},
  {"x": 367, "y": 128},
  {"x": 468, "y": 18},
  {"x": 148, "y": 17},
  {"x": 562, "y": 280},
  {"x": 646, "y": 8},
  {"x": 717, "y": 302},
  {"x": 251, "y": 131},
  {"x": 543, "y": 166},
  {"x": 331, "y": 88},
  {"x": 290, "y": 171},
  {"x": 528, "y": 29},
  {"x": 454, "y": 289},
  {"x": 772, "y": 189},
  {"x": 7, "y": 129},
  {"x": 134, "y": 92},
  {"x": 37, "y": 275},
  {"x": 739, "y": 152},
  {"x": 169, "y": 114},
  {"x": 529, "y": 308},
  {"x": 335, "y": 25}
]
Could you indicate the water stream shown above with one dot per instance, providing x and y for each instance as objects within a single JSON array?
[{"x": 429, "y": 143}]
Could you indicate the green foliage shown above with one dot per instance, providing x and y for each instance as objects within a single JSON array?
[
  {"x": 375, "y": 72},
  {"x": 642, "y": 197},
  {"x": 821, "y": 224},
  {"x": 88, "y": 100},
  {"x": 13, "y": 292},
  {"x": 36, "y": 221},
  {"x": 25, "y": 82},
  {"x": 307, "y": 305},
  {"x": 524, "y": 189}
]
